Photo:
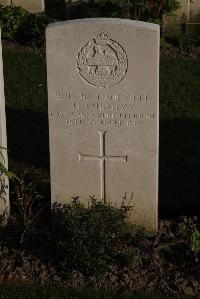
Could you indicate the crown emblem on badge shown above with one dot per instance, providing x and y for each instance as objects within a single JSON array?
[
  {"x": 101, "y": 38},
  {"x": 102, "y": 62}
]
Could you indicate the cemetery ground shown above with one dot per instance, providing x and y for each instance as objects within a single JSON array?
[
  {"x": 24, "y": 292},
  {"x": 34, "y": 252},
  {"x": 58, "y": 293}
]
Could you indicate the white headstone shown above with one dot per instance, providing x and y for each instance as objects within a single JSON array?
[
  {"x": 4, "y": 186},
  {"x": 103, "y": 91},
  {"x": 34, "y": 6}
]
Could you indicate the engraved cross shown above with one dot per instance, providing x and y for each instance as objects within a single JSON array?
[{"x": 102, "y": 157}]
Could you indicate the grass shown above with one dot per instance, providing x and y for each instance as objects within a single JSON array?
[
  {"x": 179, "y": 131},
  {"x": 33, "y": 292},
  {"x": 25, "y": 79},
  {"x": 179, "y": 89},
  {"x": 26, "y": 102}
]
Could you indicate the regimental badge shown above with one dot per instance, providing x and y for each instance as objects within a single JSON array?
[{"x": 102, "y": 61}]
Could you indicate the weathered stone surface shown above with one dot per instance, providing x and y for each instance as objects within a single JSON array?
[
  {"x": 4, "y": 190},
  {"x": 34, "y": 6},
  {"x": 103, "y": 90}
]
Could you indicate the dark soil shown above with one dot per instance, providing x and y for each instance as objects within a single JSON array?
[{"x": 160, "y": 264}]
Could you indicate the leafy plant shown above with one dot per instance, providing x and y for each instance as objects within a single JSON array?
[
  {"x": 143, "y": 10},
  {"x": 11, "y": 18},
  {"x": 29, "y": 205},
  {"x": 3, "y": 184},
  {"x": 3, "y": 169},
  {"x": 19, "y": 25},
  {"x": 32, "y": 29},
  {"x": 193, "y": 235},
  {"x": 87, "y": 239}
]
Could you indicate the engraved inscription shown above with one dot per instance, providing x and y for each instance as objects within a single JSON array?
[
  {"x": 102, "y": 62},
  {"x": 103, "y": 118},
  {"x": 100, "y": 97},
  {"x": 102, "y": 108},
  {"x": 102, "y": 157}
]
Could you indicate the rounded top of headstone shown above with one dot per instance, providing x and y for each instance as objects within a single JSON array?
[{"x": 127, "y": 22}]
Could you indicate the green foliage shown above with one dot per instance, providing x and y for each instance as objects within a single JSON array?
[
  {"x": 170, "y": 6},
  {"x": 3, "y": 169},
  {"x": 28, "y": 205},
  {"x": 144, "y": 10},
  {"x": 24, "y": 94},
  {"x": 3, "y": 184},
  {"x": 192, "y": 227},
  {"x": 32, "y": 30},
  {"x": 9, "y": 174},
  {"x": 19, "y": 25},
  {"x": 11, "y": 19},
  {"x": 195, "y": 240},
  {"x": 88, "y": 238}
]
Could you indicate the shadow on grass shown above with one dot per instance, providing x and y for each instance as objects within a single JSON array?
[
  {"x": 28, "y": 137},
  {"x": 179, "y": 178},
  {"x": 179, "y": 167}
]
